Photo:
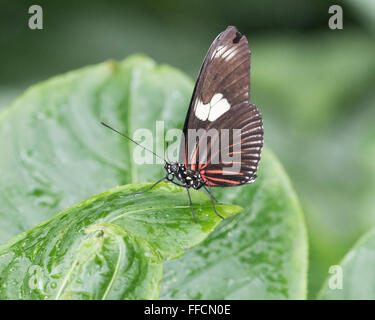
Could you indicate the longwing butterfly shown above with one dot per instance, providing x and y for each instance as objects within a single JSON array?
[{"x": 219, "y": 104}]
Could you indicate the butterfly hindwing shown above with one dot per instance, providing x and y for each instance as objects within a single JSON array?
[{"x": 243, "y": 151}]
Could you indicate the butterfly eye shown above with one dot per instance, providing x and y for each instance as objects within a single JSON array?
[{"x": 174, "y": 167}]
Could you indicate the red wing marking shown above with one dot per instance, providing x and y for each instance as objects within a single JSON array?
[
  {"x": 232, "y": 145},
  {"x": 202, "y": 167},
  {"x": 210, "y": 183},
  {"x": 223, "y": 180},
  {"x": 224, "y": 172}
]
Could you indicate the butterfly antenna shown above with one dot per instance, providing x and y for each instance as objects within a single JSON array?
[{"x": 121, "y": 134}]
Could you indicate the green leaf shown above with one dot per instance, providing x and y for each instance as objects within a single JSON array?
[
  {"x": 259, "y": 254},
  {"x": 111, "y": 246},
  {"x": 55, "y": 153},
  {"x": 354, "y": 277}
]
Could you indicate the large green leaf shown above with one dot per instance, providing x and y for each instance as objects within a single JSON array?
[
  {"x": 109, "y": 246},
  {"x": 354, "y": 277},
  {"x": 259, "y": 254},
  {"x": 55, "y": 154}
]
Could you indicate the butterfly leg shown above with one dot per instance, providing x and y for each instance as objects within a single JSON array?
[
  {"x": 191, "y": 204},
  {"x": 209, "y": 191},
  {"x": 177, "y": 184},
  {"x": 212, "y": 198},
  {"x": 148, "y": 189}
]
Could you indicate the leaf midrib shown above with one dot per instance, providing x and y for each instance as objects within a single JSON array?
[{"x": 117, "y": 268}]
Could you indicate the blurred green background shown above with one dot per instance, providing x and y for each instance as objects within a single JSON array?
[{"x": 314, "y": 86}]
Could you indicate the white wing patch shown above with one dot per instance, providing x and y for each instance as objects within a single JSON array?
[
  {"x": 229, "y": 53},
  {"x": 218, "y": 52},
  {"x": 201, "y": 110},
  {"x": 212, "y": 110},
  {"x": 218, "y": 109},
  {"x": 224, "y": 53}
]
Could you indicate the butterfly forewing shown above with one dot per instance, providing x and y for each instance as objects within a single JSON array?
[
  {"x": 221, "y": 101},
  {"x": 223, "y": 80}
]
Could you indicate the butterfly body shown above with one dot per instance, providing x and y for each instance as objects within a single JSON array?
[{"x": 187, "y": 178}]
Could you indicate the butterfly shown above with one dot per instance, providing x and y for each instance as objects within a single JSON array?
[{"x": 220, "y": 104}]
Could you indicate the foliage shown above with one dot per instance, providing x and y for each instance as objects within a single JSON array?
[{"x": 56, "y": 154}]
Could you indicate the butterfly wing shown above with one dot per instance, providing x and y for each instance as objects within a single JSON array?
[
  {"x": 221, "y": 101},
  {"x": 223, "y": 80},
  {"x": 244, "y": 150}
]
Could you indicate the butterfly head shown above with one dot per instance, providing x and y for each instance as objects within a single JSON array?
[{"x": 172, "y": 168}]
